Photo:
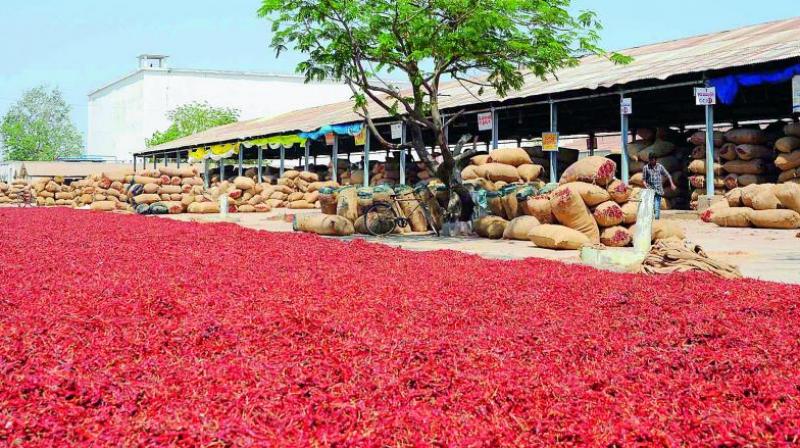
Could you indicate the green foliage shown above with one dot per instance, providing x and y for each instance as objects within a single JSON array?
[
  {"x": 38, "y": 127},
  {"x": 193, "y": 118}
]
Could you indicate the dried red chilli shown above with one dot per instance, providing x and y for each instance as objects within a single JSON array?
[{"x": 126, "y": 330}]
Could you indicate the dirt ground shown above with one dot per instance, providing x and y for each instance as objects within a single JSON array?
[{"x": 761, "y": 254}]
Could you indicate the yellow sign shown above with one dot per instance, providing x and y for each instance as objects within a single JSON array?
[
  {"x": 329, "y": 138},
  {"x": 361, "y": 137},
  {"x": 550, "y": 141}
]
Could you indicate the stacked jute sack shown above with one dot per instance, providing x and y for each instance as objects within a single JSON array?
[
  {"x": 788, "y": 154},
  {"x": 54, "y": 192},
  {"x": 659, "y": 143},
  {"x": 344, "y": 209},
  {"x": 747, "y": 158},
  {"x": 503, "y": 167},
  {"x": 296, "y": 190},
  {"x": 166, "y": 190},
  {"x": 766, "y": 206},
  {"x": 17, "y": 192},
  {"x": 697, "y": 167},
  {"x": 589, "y": 206}
]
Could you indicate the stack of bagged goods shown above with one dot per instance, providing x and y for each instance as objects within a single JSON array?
[
  {"x": 169, "y": 190},
  {"x": 788, "y": 154},
  {"x": 503, "y": 167},
  {"x": 54, "y": 192},
  {"x": 103, "y": 192},
  {"x": 766, "y": 206},
  {"x": 747, "y": 158},
  {"x": 296, "y": 190},
  {"x": 17, "y": 192},
  {"x": 660, "y": 144},
  {"x": 697, "y": 167}
]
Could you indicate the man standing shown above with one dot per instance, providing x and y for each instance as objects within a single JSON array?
[{"x": 654, "y": 174}]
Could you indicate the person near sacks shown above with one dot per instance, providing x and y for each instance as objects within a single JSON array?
[{"x": 653, "y": 175}]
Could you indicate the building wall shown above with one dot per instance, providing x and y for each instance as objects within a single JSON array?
[{"x": 123, "y": 115}]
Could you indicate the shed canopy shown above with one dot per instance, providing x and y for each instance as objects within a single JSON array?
[{"x": 747, "y": 46}]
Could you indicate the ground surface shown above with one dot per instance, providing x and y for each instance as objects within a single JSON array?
[
  {"x": 772, "y": 255},
  {"x": 125, "y": 330}
]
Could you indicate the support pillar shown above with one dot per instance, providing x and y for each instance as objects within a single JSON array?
[
  {"x": 709, "y": 151},
  {"x": 260, "y": 163},
  {"x": 495, "y": 130},
  {"x": 155, "y": 162},
  {"x": 366, "y": 157},
  {"x": 403, "y": 155},
  {"x": 134, "y": 164},
  {"x": 166, "y": 160},
  {"x": 623, "y": 133},
  {"x": 178, "y": 158},
  {"x": 554, "y": 154},
  {"x": 207, "y": 171},
  {"x": 307, "y": 153},
  {"x": 283, "y": 161},
  {"x": 335, "y": 158},
  {"x": 221, "y": 170},
  {"x": 241, "y": 159}
]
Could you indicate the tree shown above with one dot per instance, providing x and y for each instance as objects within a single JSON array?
[
  {"x": 38, "y": 127},
  {"x": 488, "y": 43},
  {"x": 193, "y": 118}
]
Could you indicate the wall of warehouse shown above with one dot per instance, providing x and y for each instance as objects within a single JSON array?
[{"x": 122, "y": 115}]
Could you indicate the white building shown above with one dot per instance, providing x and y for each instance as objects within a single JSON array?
[{"x": 124, "y": 113}]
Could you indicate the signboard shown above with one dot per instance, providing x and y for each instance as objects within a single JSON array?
[
  {"x": 485, "y": 121},
  {"x": 705, "y": 96},
  {"x": 591, "y": 143},
  {"x": 361, "y": 137},
  {"x": 550, "y": 141},
  {"x": 329, "y": 139},
  {"x": 626, "y": 106},
  {"x": 796, "y": 94},
  {"x": 397, "y": 131}
]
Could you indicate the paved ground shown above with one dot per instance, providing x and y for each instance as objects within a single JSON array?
[{"x": 763, "y": 254}]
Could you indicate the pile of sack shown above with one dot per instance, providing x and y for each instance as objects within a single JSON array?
[
  {"x": 697, "y": 166},
  {"x": 766, "y": 206},
  {"x": 788, "y": 154},
  {"x": 17, "y": 192},
  {"x": 296, "y": 190},
  {"x": 54, "y": 192},
  {"x": 659, "y": 143},
  {"x": 747, "y": 158},
  {"x": 589, "y": 206},
  {"x": 502, "y": 167}
]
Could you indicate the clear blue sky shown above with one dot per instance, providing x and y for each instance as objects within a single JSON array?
[{"x": 80, "y": 45}]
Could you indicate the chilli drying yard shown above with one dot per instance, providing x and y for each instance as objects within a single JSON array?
[{"x": 121, "y": 330}]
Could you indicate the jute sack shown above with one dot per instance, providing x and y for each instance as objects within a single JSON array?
[
  {"x": 529, "y": 172},
  {"x": 144, "y": 180},
  {"x": 519, "y": 228},
  {"x": 755, "y": 166},
  {"x": 498, "y": 172},
  {"x": 360, "y": 225},
  {"x": 788, "y": 195},
  {"x": 788, "y": 161},
  {"x": 748, "y": 179},
  {"x": 468, "y": 173},
  {"x": 244, "y": 183},
  {"x": 629, "y": 212},
  {"x": 495, "y": 201},
  {"x": 792, "y": 129},
  {"x": 510, "y": 156},
  {"x": 327, "y": 200},
  {"x": 550, "y": 236},
  {"x": 731, "y": 181},
  {"x": 732, "y": 217},
  {"x": 480, "y": 159},
  {"x": 593, "y": 169},
  {"x": 608, "y": 214},
  {"x": 634, "y": 166},
  {"x": 170, "y": 189},
  {"x": 634, "y": 148},
  {"x": 150, "y": 188},
  {"x": 301, "y": 204},
  {"x": 168, "y": 171},
  {"x": 663, "y": 230},
  {"x": 734, "y": 197},
  {"x": 314, "y": 186},
  {"x": 749, "y": 192},
  {"x": 312, "y": 197},
  {"x": 750, "y": 152},
  {"x": 787, "y": 144},
  {"x": 173, "y": 207},
  {"x": 309, "y": 176},
  {"x": 409, "y": 205},
  {"x": 146, "y": 198},
  {"x": 659, "y": 148},
  {"x": 203, "y": 207},
  {"x": 616, "y": 236},
  {"x": 728, "y": 152},
  {"x": 765, "y": 199},
  {"x": 744, "y": 136},
  {"x": 63, "y": 195},
  {"x": 491, "y": 227},
  {"x": 245, "y": 208},
  {"x": 698, "y": 166},
  {"x": 618, "y": 192},
  {"x": 510, "y": 204},
  {"x": 262, "y": 208},
  {"x": 775, "y": 219},
  {"x": 708, "y": 214},
  {"x": 296, "y": 196},
  {"x": 591, "y": 194},
  {"x": 539, "y": 208},
  {"x": 347, "y": 203},
  {"x": 331, "y": 225},
  {"x": 637, "y": 180},
  {"x": 699, "y": 138},
  {"x": 570, "y": 210},
  {"x": 104, "y": 206},
  {"x": 291, "y": 174},
  {"x": 789, "y": 175}
]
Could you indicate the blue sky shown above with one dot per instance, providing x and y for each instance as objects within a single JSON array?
[{"x": 80, "y": 45}]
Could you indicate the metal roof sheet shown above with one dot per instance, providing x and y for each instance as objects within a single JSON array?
[{"x": 749, "y": 45}]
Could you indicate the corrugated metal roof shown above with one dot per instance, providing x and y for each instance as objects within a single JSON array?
[
  {"x": 750, "y": 45},
  {"x": 71, "y": 169}
]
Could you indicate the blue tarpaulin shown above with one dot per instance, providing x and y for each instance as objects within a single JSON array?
[
  {"x": 339, "y": 129},
  {"x": 728, "y": 86}
]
